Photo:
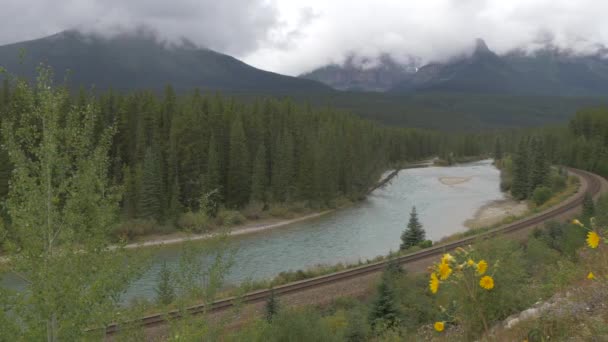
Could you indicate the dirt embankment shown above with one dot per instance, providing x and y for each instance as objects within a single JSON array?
[{"x": 495, "y": 212}]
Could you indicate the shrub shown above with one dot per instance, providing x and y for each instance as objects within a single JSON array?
[
  {"x": 280, "y": 211},
  {"x": 425, "y": 244},
  {"x": 230, "y": 218},
  {"x": 558, "y": 183},
  {"x": 254, "y": 210},
  {"x": 196, "y": 222},
  {"x": 541, "y": 195},
  {"x": 131, "y": 229}
]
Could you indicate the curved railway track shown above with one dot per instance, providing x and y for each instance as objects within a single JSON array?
[{"x": 593, "y": 186}]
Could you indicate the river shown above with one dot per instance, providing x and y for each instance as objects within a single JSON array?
[{"x": 363, "y": 231}]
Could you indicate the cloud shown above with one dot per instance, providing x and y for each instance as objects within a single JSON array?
[
  {"x": 432, "y": 30},
  {"x": 295, "y": 36},
  {"x": 231, "y": 26}
]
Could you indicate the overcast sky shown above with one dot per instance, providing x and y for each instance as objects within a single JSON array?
[{"x": 294, "y": 36}]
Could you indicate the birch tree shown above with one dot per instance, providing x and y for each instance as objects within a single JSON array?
[{"x": 61, "y": 208}]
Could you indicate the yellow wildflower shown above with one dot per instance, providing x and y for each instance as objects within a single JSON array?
[
  {"x": 482, "y": 267},
  {"x": 590, "y": 276},
  {"x": 434, "y": 283},
  {"x": 487, "y": 282},
  {"x": 439, "y": 326},
  {"x": 444, "y": 271},
  {"x": 447, "y": 257},
  {"x": 577, "y": 222},
  {"x": 470, "y": 262},
  {"x": 593, "y": 239}
]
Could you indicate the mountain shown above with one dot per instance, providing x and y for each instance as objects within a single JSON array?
[
  {"x": 546, "y": 72},
  {"x": 138, "y": 60},
  {"x": 363, "y": 74},
  {"x": 557, "y": 72}
]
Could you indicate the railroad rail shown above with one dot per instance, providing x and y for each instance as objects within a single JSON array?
[{"x": 593, "y": 185}]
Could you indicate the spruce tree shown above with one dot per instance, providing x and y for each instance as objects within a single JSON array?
[
  {"x": 521, "y": 172},
  {"x": 414, "y": 234},
  {"x": 588, "y": 206},
  {"x": 5, "y": 173},
  {"x": 259, "y": 178},
  {"x": 165, "y": 292},
  {"x": 150, "y": 191},
  {"x": 213, "y": 178},
  {"x": 497, "y": 149},
  {"x": 238, "y": 190},
  {"x": 384, "y": 309},
  {"x": 272, "y": 306},
  {"x": 540, "y": 168}
]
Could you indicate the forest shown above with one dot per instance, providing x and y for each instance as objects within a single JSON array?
[{"x": 182, "y": 155}]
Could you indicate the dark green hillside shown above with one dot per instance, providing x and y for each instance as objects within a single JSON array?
[{"x": 139, "y": 61}]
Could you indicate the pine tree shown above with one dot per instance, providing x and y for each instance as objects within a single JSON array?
[
  {"x": 238, "y": 190},
  {"x": 149, "y": 196},
  {"x": 520, "y": 189},
  {"x": 540, "y": 168},
  {"x": 175, "y": 207},
  {"x": 272, "y": 306},
  {"x": 384, "y": 309},
  {"x": 259, "y": 178},
  {"x": 165, "y": 293},
  {"x": 213, "y": 176},
  {"x": 588, "y": 206},
  {"x": 129, "y": 200},
  {"x": 5, "y": 173},
  {"x": 498, "y": 149},
  {"x": 414, "y": 234}
]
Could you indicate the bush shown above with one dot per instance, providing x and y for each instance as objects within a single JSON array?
[
  {"x": 280, "y": 211},
  {"x": 558, "y": 183},
  {"x": 197, "y": 222},
  {"x": 541, "y": 195},
  {"x": 254, "y": 210},
  {"x": 425, "y": 244},
  {"x": 229, "y": 218},
  {"x": 131, "y": 229}
]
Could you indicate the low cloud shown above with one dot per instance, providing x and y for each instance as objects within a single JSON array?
[{"x": 295, "y": 36}]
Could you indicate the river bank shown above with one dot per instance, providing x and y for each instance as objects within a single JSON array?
[
  {"x": 256, "y": 226},
  {"x": 496, "y": 212}
]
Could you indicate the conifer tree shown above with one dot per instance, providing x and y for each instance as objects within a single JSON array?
[
  {"x": 520, "y": 189},
  {"x": 272, "y": 306},
  {"x": 5, "y": 173},
  {"x": 150, "y": 191},
  {"x": 213, "y": 176},
  {"x": 414, "y": 234},
  {"x": 238, "y": 168},
  {"x": 384, "y": 309},
  {"x": 588, "y": 206},
  {"x": 165, "y": 292},
  {"x": 498, "y": 149},
  {"x": 259, "y": 178},
  {"x": 540, "y": 168},
  {"x": 129, "y": 201}
]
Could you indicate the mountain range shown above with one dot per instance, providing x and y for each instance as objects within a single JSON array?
[
  {"x": 546, "y": 72},
  {"x": 140, "y": 61},
  {"x": 364, "y": 74},
  {"x": 480, "y": 90}
]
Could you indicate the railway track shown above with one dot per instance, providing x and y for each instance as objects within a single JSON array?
[{"x": 593, "y": 184}]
